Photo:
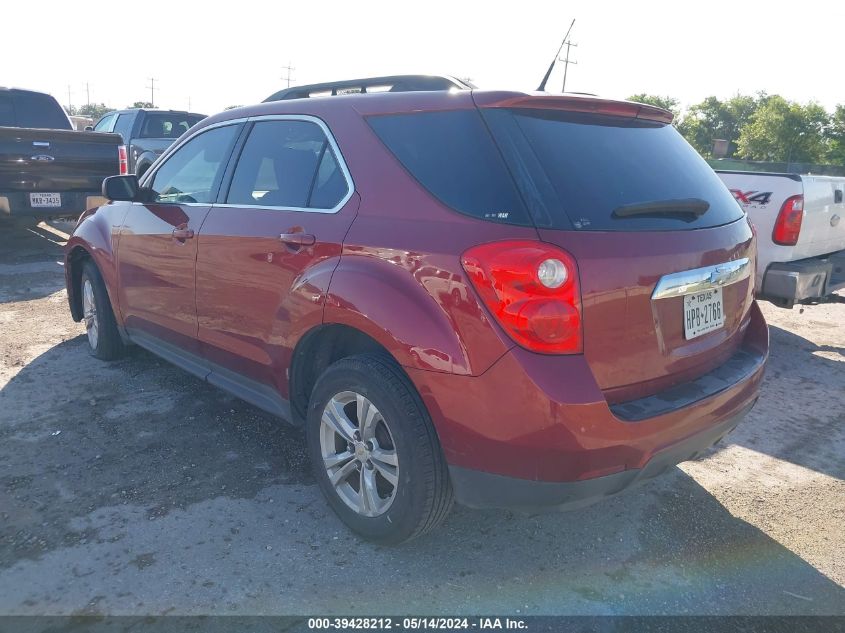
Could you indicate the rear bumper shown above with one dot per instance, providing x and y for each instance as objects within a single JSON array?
[
  {"x": 478, "y": 489},
  {"x": 787, "y": 283},
  {"x": 15, "y": 204},
  {"x": 540, "y": 427}
]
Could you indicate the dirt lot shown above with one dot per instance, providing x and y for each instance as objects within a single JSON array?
[{"x": 133, "y": 488}]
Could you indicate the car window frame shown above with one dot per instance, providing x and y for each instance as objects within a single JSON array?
[
  {"x": 112, "y": 119},
  {"x": 250, "y": 122},
  {"x": 219, "y": 179}
]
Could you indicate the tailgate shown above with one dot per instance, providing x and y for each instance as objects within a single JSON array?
[
  {"x": 635, "y": 341},
  {"x": 640, "y": 210},
  {"x": 33, "y": 160}
]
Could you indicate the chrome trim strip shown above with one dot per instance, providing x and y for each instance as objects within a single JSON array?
[{"x": 699, "y": 279}]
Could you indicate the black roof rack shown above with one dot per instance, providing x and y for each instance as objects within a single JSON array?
[{"x": 393, "y": 83}]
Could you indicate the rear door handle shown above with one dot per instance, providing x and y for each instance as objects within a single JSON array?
[
  {"x": 180, "y": 233},
  {"x": 298, "y": 239}
]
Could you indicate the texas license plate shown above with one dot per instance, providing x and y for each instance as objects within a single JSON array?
[
  {"x": 703, "y": 312},
  {"x": 45, "y": 199}
]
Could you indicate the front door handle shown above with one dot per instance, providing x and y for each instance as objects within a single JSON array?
[
  {"x": 298, "y": 239},
  {"x": 182, "y": 233}
]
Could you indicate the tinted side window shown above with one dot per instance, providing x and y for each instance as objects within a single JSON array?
[
  {"x": 7, "y": 110},
  {"x": 192, "y": 173},
  {"x": 104, "y": 124},
  {"x": 123, "y": 125},
  {"x": 287, "y": 164},
  {"x": 452, "y": 155},
  {"x": 40, "y": 111}
]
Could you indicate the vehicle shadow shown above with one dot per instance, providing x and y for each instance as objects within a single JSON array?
[
  {"x": 799, "y": 417},
  {"x": 31, "y": 260},
  {"x": 122, "y": 482}
]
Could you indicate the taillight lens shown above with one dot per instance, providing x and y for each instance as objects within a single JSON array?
[
  {"x": 788, "y": 225},
  {"x": 532, "y": 290},
  {"x": 122, "y": 160}
]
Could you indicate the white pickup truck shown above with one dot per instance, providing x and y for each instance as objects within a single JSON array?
[{"x": 800, "y": 224}]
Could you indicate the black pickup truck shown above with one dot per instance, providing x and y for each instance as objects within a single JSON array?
[
  {"x": 47, "y": 168},
  {"x": 146, "y": 134}
]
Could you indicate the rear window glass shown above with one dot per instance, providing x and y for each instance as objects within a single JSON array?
[
  {"x": 40, "y": 111},
  {"x": 452, "y": 155},
  {"x": 167, "y": 125},
  {"x": 599, "y": 173}
]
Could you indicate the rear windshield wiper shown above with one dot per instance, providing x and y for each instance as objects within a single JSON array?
[{"x": 695, "y": 207}]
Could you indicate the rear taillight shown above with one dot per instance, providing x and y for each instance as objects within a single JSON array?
[
  {"x": 788, "y": 225},
  {"x": 532, "y": 290},
  {"x": 122, "y": 160}
]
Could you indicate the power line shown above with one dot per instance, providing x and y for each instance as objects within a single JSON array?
[
  {"x": 566, "y": 61},
  {"x": 152, "y": 88},
  {"x": 287, "y": 76}
]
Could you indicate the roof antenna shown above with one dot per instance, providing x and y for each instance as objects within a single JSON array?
[{"x": 542, "y": 87}]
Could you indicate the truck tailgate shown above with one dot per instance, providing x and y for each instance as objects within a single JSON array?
[{"x": 35, "y": 160}]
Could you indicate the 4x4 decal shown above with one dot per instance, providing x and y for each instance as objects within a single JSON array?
[{"x": 752, "y": 197}]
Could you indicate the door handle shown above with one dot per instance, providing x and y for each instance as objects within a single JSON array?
[
  {"x": 182, "y": 233},
  {"x": 298, "y": 239}
]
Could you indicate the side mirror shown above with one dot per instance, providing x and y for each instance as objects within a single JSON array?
[
  {"x": 122, "y": 188},
  {"x": 89, "y": 128}
]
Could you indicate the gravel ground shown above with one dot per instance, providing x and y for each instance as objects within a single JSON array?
[{"x": 133, "y": 488}]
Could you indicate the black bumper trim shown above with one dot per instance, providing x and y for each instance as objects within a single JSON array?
[
  {"x": 477, "y": 489},
  {"x": 737, "y": 368}
]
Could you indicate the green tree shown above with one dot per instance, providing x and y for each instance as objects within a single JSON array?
[
  {"x": 715, "y": 119},
  {"x": 667, "y": 103},
  {"x": 94, "y": 110},
  {"x": 782, "y": 130},
  {"x": 836, "y": 137},
  {"x": 142, "y": 104}
]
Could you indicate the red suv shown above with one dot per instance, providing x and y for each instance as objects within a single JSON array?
[{"x": 513, "y": 300}]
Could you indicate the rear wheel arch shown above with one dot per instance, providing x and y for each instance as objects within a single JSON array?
[{"x": 318, "y": 349}]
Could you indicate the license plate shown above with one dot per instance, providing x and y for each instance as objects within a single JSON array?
[
  {"x": 703, "y": 312},
  {"x": 45, "y": 199}
]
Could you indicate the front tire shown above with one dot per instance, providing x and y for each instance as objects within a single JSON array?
[
  {"x": 374, "y": 451},
  {"x": 104, "y": 340}
]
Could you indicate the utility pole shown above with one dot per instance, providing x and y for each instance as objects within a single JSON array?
[
  {"x": 189, "y": 104},
  {"x": 69, "y": 104},
  {"x": 566, "y": 62},
  {"x": 87, "y": 94},
  {"x": 287, "y": 76},
  {"x": 152, "y": 88}
]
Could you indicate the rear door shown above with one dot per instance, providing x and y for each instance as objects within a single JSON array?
[
  {"x": 641, "y": 212},
  {"x": 158, "y": 245},
  {"x": 267, "y": 250}
]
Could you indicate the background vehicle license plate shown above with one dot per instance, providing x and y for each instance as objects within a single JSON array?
[
  {"x": 45, "y": 200},
  {"x": 703, "y": 312}
]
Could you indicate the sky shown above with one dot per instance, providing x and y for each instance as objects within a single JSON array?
[{"x": 210, "y": 55}]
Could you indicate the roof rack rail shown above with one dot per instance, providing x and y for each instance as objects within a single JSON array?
[{"x": 392, "y": 83}]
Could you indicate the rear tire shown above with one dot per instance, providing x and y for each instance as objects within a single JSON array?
[
  {"x": 394, "y": 457},
  {"x": 104, "y": 340}
]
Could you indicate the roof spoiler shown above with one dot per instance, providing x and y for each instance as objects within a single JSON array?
[
  {"x": 392, "y": 83},
  {"x": 576, "y": 103}
]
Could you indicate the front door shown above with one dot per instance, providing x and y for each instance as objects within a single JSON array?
[
  {"x": 158, "y": 242},
  {"x": 267, "y": 251}
]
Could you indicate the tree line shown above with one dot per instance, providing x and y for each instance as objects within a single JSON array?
[
  {"x": 760, "y": 127},
  {"x": 97, "y": 111}
]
